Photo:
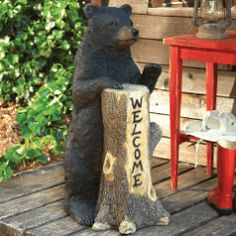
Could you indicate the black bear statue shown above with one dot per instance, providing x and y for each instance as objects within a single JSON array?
[{"x": 103, "y": 61}]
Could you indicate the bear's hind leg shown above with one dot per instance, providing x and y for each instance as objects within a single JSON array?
[
  {"x": 81, "y": 188},
  {"x": 81, "y": 209}
]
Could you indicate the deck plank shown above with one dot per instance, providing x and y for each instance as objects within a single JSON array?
[
  {"x": 18, "y": 224},
  {"x": 163, "y": 172},
  {"x": 182, "y": 221},
  {"x": 158, "y": 162},
  {"x": 225, "y": 225},
  {"x": 39, "y": 212},
  {"x": 185, "y": 180},
  {"x": 188, "y": 197},
  {"x": 31, "y": 201},
  {"x": 31, "y": 181},
  {"x": 90, "y": 232},
  {"x": 63, "y": 226},
  {"x": 172, "y": 207}
]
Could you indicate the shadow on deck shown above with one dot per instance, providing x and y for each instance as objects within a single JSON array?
[{"x": 32, "y": 204}]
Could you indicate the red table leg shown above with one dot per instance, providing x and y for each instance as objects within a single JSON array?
[
  {"x": 221, "y": 196},
  {"x": 211, "y": 88},
  {"x": 175, "y": 103}
]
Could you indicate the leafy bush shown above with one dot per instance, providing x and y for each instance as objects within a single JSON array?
[{"x": 38, "y": 40}]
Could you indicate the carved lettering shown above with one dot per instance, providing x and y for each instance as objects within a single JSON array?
[
  {"x": 137, "y": 180},
  {"x": 136, "y": 103},
  {"x": 136, "y": 144},
  {"x": 137, "y": 154},
  {"x": 136, "y": 116},
  {"x": 137, "y": 165},
  {"x": 135, "y": 132}
]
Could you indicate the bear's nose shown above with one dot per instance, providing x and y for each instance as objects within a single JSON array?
[{"x": 134, "y": 32}]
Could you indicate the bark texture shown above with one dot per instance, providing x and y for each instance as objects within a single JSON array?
[{"x": 127, "y": 198}]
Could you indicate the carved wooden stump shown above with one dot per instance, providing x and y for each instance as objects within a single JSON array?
[{"x": 127, "y": 198}]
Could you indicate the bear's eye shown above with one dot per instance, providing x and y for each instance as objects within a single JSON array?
[
  {"x": 113, "y": 23},
  {"x": 131, "y": 23}
]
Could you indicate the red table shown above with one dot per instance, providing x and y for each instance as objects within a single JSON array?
[{"x": 212, "y": 52}]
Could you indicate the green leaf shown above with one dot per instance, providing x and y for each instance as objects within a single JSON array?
[
  {"x": 5, "y": 171},
  {"x": 57, "y": 150},
  {"x": 12, "y": 154},
  {"x": 43, "y": 159},
  {"x": 3, "y": 166},
  {"x": 38, "y": 42},
  {"x": 23, "y": 2},
  {"x": 8, "y": 173}
]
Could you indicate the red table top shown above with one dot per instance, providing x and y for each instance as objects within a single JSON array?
[{"x": 190, "y": 40}]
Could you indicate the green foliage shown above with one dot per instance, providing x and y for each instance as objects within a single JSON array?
[
  {"x": 33, "y": 36},
  {"x": 38, "y": 41}
]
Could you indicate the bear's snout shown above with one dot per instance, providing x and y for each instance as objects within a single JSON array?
[
  {"x": 127, "y": 34},
  {"x": 135, "y": 32},
  {"x": 125, "y": 37}
]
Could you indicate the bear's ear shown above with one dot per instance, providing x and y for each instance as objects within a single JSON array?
[
  {"x": 127, "y": 8},
  {"x": 90, "y": 10}
]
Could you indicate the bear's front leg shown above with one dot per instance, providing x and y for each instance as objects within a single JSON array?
[
  {"x": 85, "y": 91},
  {"x": 150, "y": 75}
]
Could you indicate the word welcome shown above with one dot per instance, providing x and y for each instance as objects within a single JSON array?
[{"x": 137, "y": 166}]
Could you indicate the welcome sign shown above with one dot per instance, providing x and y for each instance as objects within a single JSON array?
[{"x": 137, "y": 141}]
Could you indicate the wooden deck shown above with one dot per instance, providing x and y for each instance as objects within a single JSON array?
[{"x": 32, "y": 204}]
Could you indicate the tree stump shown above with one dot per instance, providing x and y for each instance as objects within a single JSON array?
[{"x": 127, "y": 199}]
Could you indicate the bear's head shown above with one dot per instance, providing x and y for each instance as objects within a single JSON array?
[{"x": 111, "y": 26}]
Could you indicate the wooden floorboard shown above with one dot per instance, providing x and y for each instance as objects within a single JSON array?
[
  {"x": 225, "y": 225},
  {"x": 162, "y": 172},
  {"x": 31, "y": 204},
  {"x": 64, "y": 226},
  {"x": 32, "y": 181},
  {"x": 158, "y": 162},
  {"x": 46, "y": 220},
  {"x": 33, "y": 218},
  {"x": 90, "y": 232},
  {"x": 185, "y": 180},
  {"x": 31, "y": 201},
  {"x": 182, "y": 221},
  {"x": 188, "y": 197}
]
